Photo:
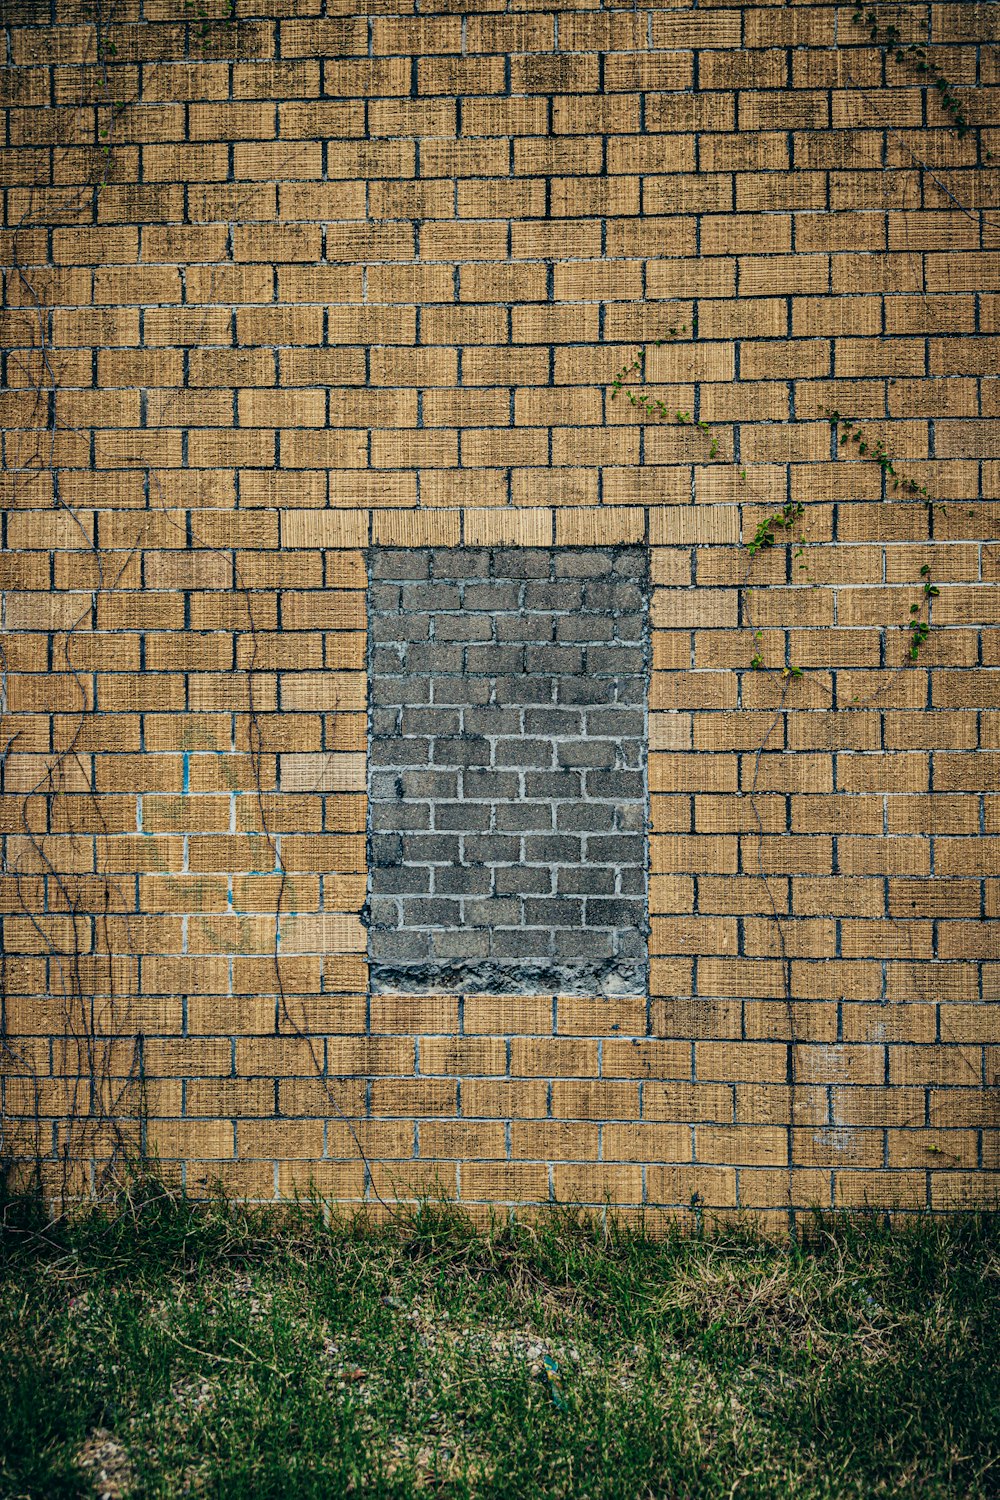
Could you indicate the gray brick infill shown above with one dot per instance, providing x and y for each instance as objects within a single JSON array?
[{"x": 508, "y": 806}]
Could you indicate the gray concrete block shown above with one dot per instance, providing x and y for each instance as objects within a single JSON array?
[
  {"x": 585, "y": 817},
  {"x": 462, "y": 563},
  {"x": 549, "y": 596},
  {"x": 429, "y": 597},
  {"x": 433, "y": 785},
  {"x": 585, "y": 690},
  {"x": 383, "y": 598},
  {"x": 565, "y": 661},
  {"x": 618, "y": 849},
  {"x": 590, "y": 880},
  {"x": 492, "y": 596},
  {"x": 400, "y": 751},
  {"x": 616, "y": 912},
  {"x": 385, "y": 849},
  {"x": 521, "y": 562},
  {"x": 555, "y": 785},
  {"x": 631, "y": 562},
  {"x": 470, "y": 750},
  {"x": 399, "y": 817},
  {"x": 597, "y": 753},
  {"x": 463, "y": 944},
  {"x": 434, "y": 722},
  {"x": 492, "y": 911},
  {"x": 399, "y": 880},
  {"x": 584, "y": 943},
  {"x": 507, "y": 769},
  {"x": 553, "y": 721},
  {"x": 615, "y": 658},
  {"x": 615, "y": 784},
  {"x": 395, "y": 690},
  {"x": 387, "y": 661},
  {"x": 619, "y": 723},
  {"x": 431, "y": 849},
  {"x": 630, "y": 817},
  {"x": 383, "y": 911},
  {"x": 494, "y": 720},
  {"x": 629, "y": 628},
  {"x": 464, "y": 627},
  {"x": 430, "y": 911},
  {"x": 384, "y": 722},
  {"x": 585, "y": 628},
  {"x": 523, "y": 753},
  {"x": 398, "y": 563},
  {"x": 522, "y": 880},
  {"x": 584, "y": 562},
  {"x": 489, "y": 785},
  {"x": 524, "y": 817},
  {"x": 463, "y": 817},
  {"x": 552, "y": 849},
  {"x": 492, "y": 849},
  {"x": 525, "y": 627},
  {"x": 397, "y": 946},
  {"x": 386, "y": 629},
  {"x": 450, "y": 881},
  {"x": 536, "y": 690},
  {"x": 553, "y": 911},
  {"x": 521, "y": 942},
  {"x": 492, "y": 660},
  {"x": 434, "y": 657},
  {"x": 631, "y": 944}
]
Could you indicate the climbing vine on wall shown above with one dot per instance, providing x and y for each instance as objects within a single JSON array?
[
  {"x": 888, "y": 35},
  {"x": 101, "y": 1115}
]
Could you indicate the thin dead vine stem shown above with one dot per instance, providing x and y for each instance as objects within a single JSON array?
[{"x": 97, "y": 1066}]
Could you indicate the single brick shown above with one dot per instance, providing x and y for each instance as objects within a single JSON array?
[
  {"x": 400, "y": 817},
  {"x": 584, "y": 944},
  {"x": 489, "y": 785},
  {"x": 592, "y": 880},
  {"x": 521, "y": 942},
  {"x": 433, "y": 722},
  {"x": 522, "y": 880},
  {"x": 492, "y": 596},
  {"x": 460, "y": 944},
  {"x": 398, "y": 563},
  {"x": 407, "y": 880},
  {"x": 473, "y": 750},
  {"x": 462, "y": 882},
  {"x": 463, "y": 817},
  {"x": 396, "y": 947},
  {"x": 492, "y": 721}
]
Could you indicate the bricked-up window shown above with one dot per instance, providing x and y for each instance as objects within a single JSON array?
[{"x": 507, "y": 769}]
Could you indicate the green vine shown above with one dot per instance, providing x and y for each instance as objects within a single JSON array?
[
  {"x": 198, "y": 16},
  {"x": 889, "y": 36},
  {"x": 766, "y": 536},
  {"x": 782, "y": 520},
  {"x": 653, "y": 406},
  {"x": 919, "y": 621},
  {"x": 849, "y": 431}
]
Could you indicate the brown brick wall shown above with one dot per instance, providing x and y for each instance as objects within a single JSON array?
[{"x": 345, "y": 281}]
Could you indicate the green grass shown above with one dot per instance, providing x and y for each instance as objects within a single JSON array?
[{"x": 167, "y": 1349}]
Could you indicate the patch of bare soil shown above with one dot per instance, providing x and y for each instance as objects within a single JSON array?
[{"x": 107, "y": 1465}]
